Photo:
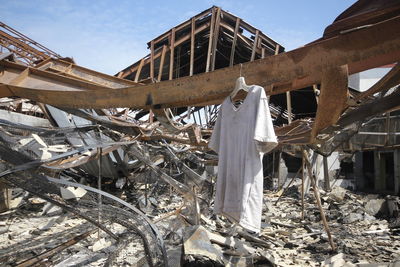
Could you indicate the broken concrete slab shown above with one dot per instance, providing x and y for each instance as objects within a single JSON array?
[
  {"x": 24, "y": 119},
  {"x": 374, "y": 206},
  {"x": 338, "y": 193},
  {"x": 51, "y": 210},
  {"x": 337, "y": 261},
  {"x": 238, "y": 247},
  {"x": 353, "y": 217},
  {"x": 198, "y": 249},
  {"x": 101, "y": 244},
  {"x": 71, "y": 192}
]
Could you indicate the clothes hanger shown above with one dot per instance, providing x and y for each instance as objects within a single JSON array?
[{"x": 240, "y": 85}]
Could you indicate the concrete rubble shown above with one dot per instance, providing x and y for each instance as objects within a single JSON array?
[{"x": 363, "y": 233}]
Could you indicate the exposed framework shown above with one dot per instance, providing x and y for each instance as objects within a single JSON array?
[
  {"x": 323, "y": 62},
  {"x": 210, "y": 40},
  {"x": 23, "y": 47},
  {"x": 377, "y": 45}
]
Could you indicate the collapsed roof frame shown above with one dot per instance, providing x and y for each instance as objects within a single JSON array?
[
  {"x": 211, "y": 40},
  {"x": 198, "y": 39},
  {"x": 345, "y": 50},
  {"x": 321, "y": 62}
]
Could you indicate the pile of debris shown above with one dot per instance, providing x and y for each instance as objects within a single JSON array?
[{"x": 365, "y": 229}]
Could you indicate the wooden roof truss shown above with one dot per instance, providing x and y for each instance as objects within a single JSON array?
[{"x": 210, "y": 40}]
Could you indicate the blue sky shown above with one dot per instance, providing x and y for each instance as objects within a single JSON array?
[{"x": 107, "y": 36}]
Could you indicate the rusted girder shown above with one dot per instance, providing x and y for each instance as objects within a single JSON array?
[
  {"x": 360, "y": 50},
  {"x": 332, "y": 100},
  {"x": 77, "y": 72}
]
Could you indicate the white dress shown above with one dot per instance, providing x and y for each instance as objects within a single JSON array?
[{"x": 240, "y": 137}]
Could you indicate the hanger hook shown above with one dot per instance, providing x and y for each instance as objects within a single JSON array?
[{"x": 240, "y": 73}]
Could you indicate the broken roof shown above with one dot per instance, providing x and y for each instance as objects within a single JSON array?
[{"x": 210, "y": 40}]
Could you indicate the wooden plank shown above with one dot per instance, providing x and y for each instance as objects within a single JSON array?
[
  {"x": 171, "y": 60},
  {"x": 139, "y": 70},
  {"x": 215, "y": 38},
  {"x": 210, "y": 40},
  {"x": 151, "y": 116},
  {"x": 318, "y": 199},
  {"x": 183, "y": 39},
  {"x": 333, "y": 97},
  {"x": 187, "y": 37},
  {"x": 231, "y": 59},
  {"x": 246, "y": 40},
  {"x": 361, "y": 50},
  {"x": 160, "y": 69},
  {"x": 327, "y": 183},
  {"x": 289, "y": 107},
  {"x": 277, "y": 49},
  {"x": 182, "y": 25},
  {"x": 253, "y": 51},
  {"x": 192, "y": 36},
  {"x": 152, "y": 60},
  {"x": 249, "y": 27},
  {"x": 288, "y": 94}
]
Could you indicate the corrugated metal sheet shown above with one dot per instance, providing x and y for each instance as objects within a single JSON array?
[{"x": 109, "y": 162}]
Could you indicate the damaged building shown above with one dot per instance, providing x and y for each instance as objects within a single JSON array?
[{"x": 100, "y": 170}]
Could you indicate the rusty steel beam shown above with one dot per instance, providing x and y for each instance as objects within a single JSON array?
[
  {"x": 77, "y": 72},
  {"x": 20, "y": 76},
  {"x": 360, "y": 50},
  {"x": 332, "y": 100}
]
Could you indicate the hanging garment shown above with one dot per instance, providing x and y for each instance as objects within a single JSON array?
[{"x": 241, "y": 136}]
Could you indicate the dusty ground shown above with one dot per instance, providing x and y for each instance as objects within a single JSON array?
[{"x": 360, "y": 236}]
